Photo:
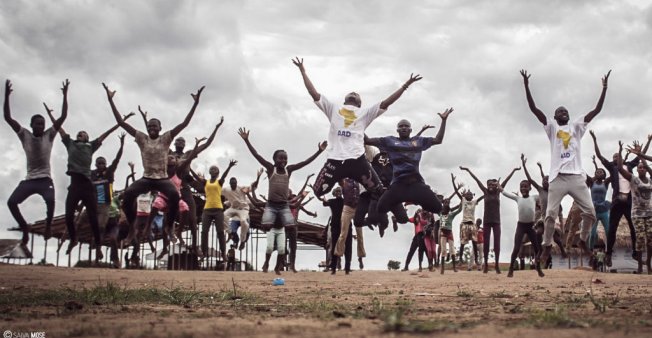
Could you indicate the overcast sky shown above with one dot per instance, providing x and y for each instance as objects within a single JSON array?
[{"x": 469, "y": 53}]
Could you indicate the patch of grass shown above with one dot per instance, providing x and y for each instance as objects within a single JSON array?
[
  {"x": 602, "y": 304},
  {"x": 321, "y": 309},
  {"x": 500, "y": 294},
  {"x": 111, "y": 294},
  {"x": 463, "y": 293},
  {"x": 558, "y": 318},
  {"x": 576, "y": 299}
]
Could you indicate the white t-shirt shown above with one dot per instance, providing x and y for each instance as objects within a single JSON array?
[
  {"x": 237, "y": 198},
  {"x": 565, "y": 147},
  {"x": 348, "y": 123},
  {"x": 468, "y": 210},
  {"x": 623, "y": 184}
]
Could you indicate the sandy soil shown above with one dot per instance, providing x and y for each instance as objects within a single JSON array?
[{"x": 364, "y": 303}]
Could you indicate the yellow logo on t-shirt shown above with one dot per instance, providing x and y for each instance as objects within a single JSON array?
[
  {"x": 565, "y": 138},
  {"x": 348, "y": 115}
]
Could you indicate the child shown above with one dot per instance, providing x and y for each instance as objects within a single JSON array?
[
  {"x": 491, "y": 214},
  {"x": 599, "y": 256},
  {"x": 525, "y": 225}
]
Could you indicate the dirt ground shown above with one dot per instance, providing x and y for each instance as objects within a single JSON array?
[{"x": 74, "y": 302}]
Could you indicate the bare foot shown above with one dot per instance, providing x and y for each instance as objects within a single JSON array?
[{"x": 73, "y": 243}]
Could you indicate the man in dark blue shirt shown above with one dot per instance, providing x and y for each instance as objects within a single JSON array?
[{"x": 405, "y": 154}]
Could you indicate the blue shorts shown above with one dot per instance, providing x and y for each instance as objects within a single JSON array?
[{"x": 279, "y": 212}]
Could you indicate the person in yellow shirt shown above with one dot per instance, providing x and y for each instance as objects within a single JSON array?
[{"x": 213, "y": 208}]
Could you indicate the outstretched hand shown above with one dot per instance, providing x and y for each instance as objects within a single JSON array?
[
  {"x": 260, "y": 172},
  {"x": 635, "y": 148},
  {"x": 605, "y": 79},
  {"x": 426, "y": 127},
  {"x": 232, "y": 163},
  {"x": 199, "y": 140},
  {"x": 8, "y": 89},
  {"x": 523, "y": 159},
  {"x": 47, "y": 109},
  {"x": 198, "y": 94},
  {"x": 464, "y": 168},
  {"x": 125, "y": 117},
  {"x": 299, "y": 63},
  {"x": 592, "y": 133},
  {"x": 413, "y": 78},
  {"x": 64, "y": 87},
  {"x": 526, "y": 76},
  {"x": 244, "y": 133},
  {"x": 143, "y": 113},
  {"x": 620, "y": 146},
  {"x": 322, "y": 146},
  {"x": 445, "y": 114},
  {"x": 109, "y": 93},
  {"x": 122, "y": 138},
  {"x": 131, "y": 165},
  {"x": 221, "y": 121}
]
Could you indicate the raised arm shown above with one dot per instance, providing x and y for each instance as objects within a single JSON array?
[
  {"x": 198, "y": 178},
  {"x": 598, "y": 107},
  {"x": 530, "y": 101},
  {"x": 527, "y": 174},
  {"x": 293, "y": 167},
  {"x": 480, "y": 185},
  {"x": 509, "y": 176},
  {"x": 597, "y": 150},
  {"x": 132, "y": 175},
  {"x": 305, "y": 184},
  {"x": 543, "y": 175},
  {"x": 442, "y": 129},
  {"x": 619, "y": 162},
  {"x": 638, "y": 152},
  {"x": 116, "y": 160},
  {"x": 212, "y": 136},
  {"x": 254, "y": 184},
  {"x": 102, "y": 137},
  {"x": 306, "y": 81},
  {"x": 455, "y": 187},
  {"x": 116, "y": 114},
  {"x": 647, "y": 144},
  {"x": 176, "y": 130},
  {"x": 62, "y": 132},
  {"x": 424, "y": 128},
  {"x": 12, "y": 123},
  {"x": 64, "y": 106},
  {"x": 143, "y": 114},
  {"x": 226, "y": 172},
  {"x": 392, "y": 98},
  {"x": 244, "y": 133},
  {"x": 185, "y": 164}
]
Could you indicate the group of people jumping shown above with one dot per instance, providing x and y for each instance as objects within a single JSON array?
[{"x": 369, "y": 177}]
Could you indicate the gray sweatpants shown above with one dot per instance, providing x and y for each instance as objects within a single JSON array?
[{"x": 575, "y": 186}]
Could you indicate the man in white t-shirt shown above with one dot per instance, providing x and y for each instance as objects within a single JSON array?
[
  {"x": 346, "y": 136},
  {"x": 566, "y": 174},
  {"x": 239, "y": 207}
]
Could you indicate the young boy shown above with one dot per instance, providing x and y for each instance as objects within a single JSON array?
[{"x": 525, "y": 225}]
